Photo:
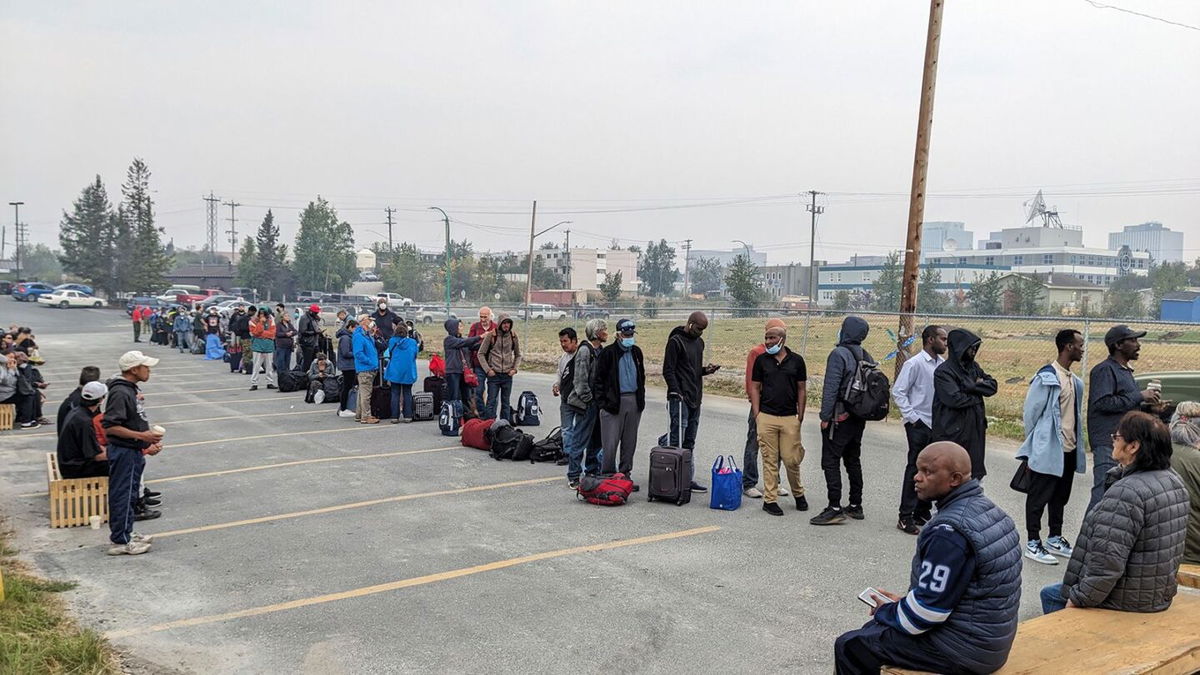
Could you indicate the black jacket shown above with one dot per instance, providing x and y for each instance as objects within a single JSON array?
[
  {"x": 606, "y": 390},
  {"x": 70, "y": 403},
  {"x": 1112, "y": 392},
  {"x": 683, "y": 366},
  {"x": 123, "y": 409},
  {"x": 77, "y": 444},
  {"x": 385, "y": 324},
  {"x": 239, "y": 325},
  {"x": 959, "y": 386},
  {"x": 284, "y": 334},
  {"x": 310, "y": 330}
]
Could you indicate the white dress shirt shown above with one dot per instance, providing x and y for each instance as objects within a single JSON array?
[{"x": 913, "y": 389}]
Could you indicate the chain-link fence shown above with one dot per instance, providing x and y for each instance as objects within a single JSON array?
[{"x": 1013, "y": 348}]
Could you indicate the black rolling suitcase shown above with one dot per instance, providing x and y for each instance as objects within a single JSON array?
[
  {"x": 670, "y": 473},
  {"x": 437, "y": 386}
]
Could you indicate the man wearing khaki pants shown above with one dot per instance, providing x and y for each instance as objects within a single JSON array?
[
  {"x": 366, "y": 363},
  {"x": 778, "y": 389}
]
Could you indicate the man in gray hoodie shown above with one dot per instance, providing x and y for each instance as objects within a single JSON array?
[{"x": 841, "y": 432}]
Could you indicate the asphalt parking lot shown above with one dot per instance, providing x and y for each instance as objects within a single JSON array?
[{"x": 296, "y": 541}]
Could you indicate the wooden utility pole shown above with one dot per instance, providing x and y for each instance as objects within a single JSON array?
[
  {"x": 529, "y": 277},
  {"x": 916, "y": 206}
]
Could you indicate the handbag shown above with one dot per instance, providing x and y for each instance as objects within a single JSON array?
[
  {"x": 469, "y": 378},
  {"x": 726, "y": 493},
  {"x": 1023, "y": 478}
]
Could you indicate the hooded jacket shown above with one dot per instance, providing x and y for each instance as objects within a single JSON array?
[
  {"x": 1043, "y": 445},
  {"x": 841, "y": 364},
  {"x": 310, "y": 329},
  {"x": 457, "y": 348},
  {"x": 345, "y": 349},
  {"x": 122, "y": 408},
  {"x": 239, "y": 325},
  {"x": 366, "y": 357},
  {"x": 683, "y": 366},
  {"x": 402, "y": 360},
  {"x": 500, "y": 351},
  {"x": 959, "y": 386}
]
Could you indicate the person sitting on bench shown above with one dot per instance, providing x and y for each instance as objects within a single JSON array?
[
  {"x": 80, "y": 454},
  {"x": 960, "y": 612}
]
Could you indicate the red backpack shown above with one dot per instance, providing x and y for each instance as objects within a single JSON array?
[
  {"x": 611, "y": 491},
  {"x": 475, "y": 434}
]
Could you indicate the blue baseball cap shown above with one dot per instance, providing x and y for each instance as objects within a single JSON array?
[{"x": 626, "y": 326}]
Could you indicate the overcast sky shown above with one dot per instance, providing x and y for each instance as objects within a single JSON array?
[{"x": 595, "y": 109}]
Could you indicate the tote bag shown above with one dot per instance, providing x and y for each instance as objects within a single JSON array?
[{"x": 726, "y": 491}]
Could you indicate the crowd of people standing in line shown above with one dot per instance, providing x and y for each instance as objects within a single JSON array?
[{"x": 960, "y": 611}]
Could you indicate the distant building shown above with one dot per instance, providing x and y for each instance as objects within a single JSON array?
[
  {"x": 726, "y": 258},
  {"x": 365, "y": 259},
  {"x": 946, "y": 235},
  {"x": 584, "y": 269},
  {"x": 1183, "y": 306},
  {"x": 782, "y": 280},
  {"x": 1160, "y": 242},
  {"x": 859, "y": 280},
  {"x": 222, "y": 275},
  {"x": 1062, "y": 294}
]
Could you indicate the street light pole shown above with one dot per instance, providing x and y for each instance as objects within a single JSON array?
[
  {"x": 17, "y": 228},
  {"x": 446, "y": 219},
  {"x": 529, "y": 276}
]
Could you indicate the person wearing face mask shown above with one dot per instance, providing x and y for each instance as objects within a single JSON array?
[
  {"x": 779, "y": 388},
  {"x": 959, "y": 387},
  {"x": 385, "y": 321},
  {"x": 620, "y": 394}
]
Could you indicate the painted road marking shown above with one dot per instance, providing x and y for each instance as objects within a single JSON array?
[
  {"x": 408, "y": 583},
  {"x": 152, "y": 407},
  {"x": 353, "y": 505},
  {"x": 280, "y": 465},
  {"x": 314, "y": 432},
  {"x": 208, "y": 419}
]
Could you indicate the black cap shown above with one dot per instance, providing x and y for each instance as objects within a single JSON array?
[{"x": 1121, "y": 332}]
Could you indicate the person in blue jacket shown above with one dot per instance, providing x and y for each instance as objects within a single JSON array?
[
  {"x": 183, "y": 330},
  {"x": 401, "y": 371},
  {"x": 366, "y": 364},
  {"x": 1053, "y": 436},
  {"x": 345, "y": 363}
]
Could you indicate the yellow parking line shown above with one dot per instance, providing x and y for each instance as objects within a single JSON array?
[
  {"x": 410, "y": 582},
  {"x": 211, "y": 419},
  {"x": 353, "y": 505},
  {"x": 280, "y": 465},
  {"x": 314, "y": 432},
  {"x": 153, "y": 407}
]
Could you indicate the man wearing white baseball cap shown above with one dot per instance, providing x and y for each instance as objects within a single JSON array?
[
  {"x": 129, "y": 441},
  {"x": 79, "y": 452}
]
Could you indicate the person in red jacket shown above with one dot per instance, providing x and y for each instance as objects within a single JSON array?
[
  {"x": 479, "y": 329},
  {"x": 137, "y": 323}
]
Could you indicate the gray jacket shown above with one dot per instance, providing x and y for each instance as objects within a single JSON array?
[
  {"x": 585, "y": 374},
  {"x": 1130, "y": 545},
  {"x": 841, "y": 364},
  {"x": 8, "y": 383}
]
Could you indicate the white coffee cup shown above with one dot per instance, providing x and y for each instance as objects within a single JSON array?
[
  {"x": 94, "y": 521},
  {"x": 1155, "y": 385},
  {"x": 158, "y": 430}
]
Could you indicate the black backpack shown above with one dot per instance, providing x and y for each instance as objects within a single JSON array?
[
  {"x": 528, "y": 413},
  {"x": 549, "y": 449},
  {"x": 868, "y": 394},
  {"x": 511, "y": 443}
]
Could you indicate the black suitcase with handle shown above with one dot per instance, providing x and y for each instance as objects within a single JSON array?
[
  {"x": 670, "y": 472},
  {"x": 437, "y": 386}
]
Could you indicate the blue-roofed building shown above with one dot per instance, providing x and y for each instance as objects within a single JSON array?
[{"x": 1183, "y": 306}]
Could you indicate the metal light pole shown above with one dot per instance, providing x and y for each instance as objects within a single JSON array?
[
  {"x": 17, "y": 228},
  {"x": 529, "y": 277},
  {"x": 446, "y": 219}
]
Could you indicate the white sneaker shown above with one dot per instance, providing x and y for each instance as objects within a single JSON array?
[
  {"x": 1035, "y": 551},
  {"x": 1059, "y": 546},
  {"x": 346, "y": 413},
  {"x": 139, "y": 537},
  {"x": 782, "y": 490},
  {"x": 752, "y": 492},
  {"x": 132, "y": 548},
  {"x": 319, "y": 397}
]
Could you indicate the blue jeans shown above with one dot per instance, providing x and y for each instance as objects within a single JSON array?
[
  {"x": 481, "y": 375},
  {"x": 1102, "y": 461},
  {"x": 402, "y": 391},
  {"x": 125, "y": 467},
  {"x": 750, "y": 455},
  {"x": 580, "y": 458},
  {"x": 683, "y": 417},
  {"x": 182, "y": 340},
  {"x": 499, "y": 384},
  {"x": 1052, "y": 598},
  {"x": 282, "y": 360},
  {"x": 456, "y": 388}
]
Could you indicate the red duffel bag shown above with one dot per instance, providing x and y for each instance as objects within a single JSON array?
[
  {"x": 613, "y": 490},
  {"x": 475, "y": 434}
]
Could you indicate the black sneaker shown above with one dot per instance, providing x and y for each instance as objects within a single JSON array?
[
  {"x": 147, "y": 492},
  {"x": 562, "y": 462},
  {"x": 772, "y": 508},
  {"x": 696, "y": 487},
  {"x": 830, "y": 516},
  {"x": 254, "y": 387},
  {"x": 152, "y": 501},
  {"x": 147, "y": 514},
  {"x": 801, "y": 503},
  {"x": 636, "y": 487},
  {"x": 573, "y": 483},
  {"x": 908, "y": 526},
  {"x": 855, "y": 511},
  {"x": 271, "y": 386},
  {"x": 921, "y": 518}
]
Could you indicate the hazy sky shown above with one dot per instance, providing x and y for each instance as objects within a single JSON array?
[{"x": 598, "y": 108}]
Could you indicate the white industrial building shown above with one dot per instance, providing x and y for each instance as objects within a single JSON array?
[
  {"x": 1160, "y": 242},
  {"x": 584, "y": 269}
]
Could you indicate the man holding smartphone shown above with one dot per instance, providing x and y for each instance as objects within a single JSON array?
[
  {"x": 960, "y": 612},
  {"x": 684, "y": 370}
]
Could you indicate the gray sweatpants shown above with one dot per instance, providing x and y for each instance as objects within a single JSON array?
[{"x": 620, "y": 430}]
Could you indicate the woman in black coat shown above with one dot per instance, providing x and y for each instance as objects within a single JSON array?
[{"x": 959, "y": 386}]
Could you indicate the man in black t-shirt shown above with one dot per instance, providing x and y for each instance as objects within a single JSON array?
[{"x": 778, "y": 389}]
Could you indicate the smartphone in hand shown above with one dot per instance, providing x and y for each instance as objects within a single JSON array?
[{"x": 872, "y": 598}]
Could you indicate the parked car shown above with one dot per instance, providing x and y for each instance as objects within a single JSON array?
[
  {"x": 591, "y": 312},
  {"x": 308, "y": 296},
  {"x": 82, "y": 288},
  {"x": 200, "y": 296},
  {"x": 541, "y": 311},
  {"x": 428, "y": 314},
  {"x": 28, "y": 291},
  {"x": 6, "y": 287},
  {"x": 145, "y": 301},
  {"x": 172, "y": 294},
  {"x": 245, "y": 293},
  {"x": 1176, "y": 387},
  {"x": 216, "y": 300},
  {"x": 368, "y": 276},
  {"x": 69, "y": 298},
  {"x": 395, "y": 299},
  {"x": 226, "y": 308}
]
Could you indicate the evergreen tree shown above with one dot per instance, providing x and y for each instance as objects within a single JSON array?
[
  {"x": 87, "y": 239},
  {"x": 929, "y": 299},
  {"x": 1026, "y": 297},
  {"x": 611, "y": 288},
  {"x": 247, "y": 264},
  {"x": 39, "y": 262},
  {"x": 271, "y": 259},
  {"x": 1122, "y": 302},
  {"x": 1166, "y": 278},
  {"x": 744, "y": 284},
  {"x": 841, "y": 299},
  {"x": 148, "y": 261},
  {"x": 984, "y": 295},
  {"x": 656, "y": 268},
  {"x": 885, "y": 289},
  {"x": 324, "y": 250},
  {"x": 705, "y": 275},
  {"x": 409, "y": 275}
]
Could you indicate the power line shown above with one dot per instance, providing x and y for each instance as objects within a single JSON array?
[{"x": 1100, "y": 5}]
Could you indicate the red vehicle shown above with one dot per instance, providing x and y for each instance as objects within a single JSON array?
[{"x": 198, "y": 296}]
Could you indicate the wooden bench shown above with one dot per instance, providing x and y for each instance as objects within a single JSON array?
[
  {"x": 1105, "y": 641},
  {"x": 8, "y": 416},
  {"x": 1189, "y": 575},
  {"x": 73, "y": 501}
]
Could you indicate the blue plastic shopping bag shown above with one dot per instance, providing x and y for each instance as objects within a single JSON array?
[{"x": 726, "y": 493}]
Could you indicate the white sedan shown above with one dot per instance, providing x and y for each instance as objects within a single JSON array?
[{"x": 68, "y": 298}]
